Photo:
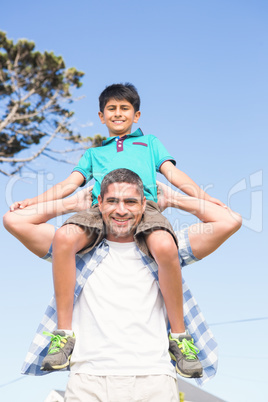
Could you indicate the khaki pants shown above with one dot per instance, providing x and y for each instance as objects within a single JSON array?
[{"x": 152, "y": 388}]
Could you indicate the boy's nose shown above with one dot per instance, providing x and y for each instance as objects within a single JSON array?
[{"x": 117, "y": 112}]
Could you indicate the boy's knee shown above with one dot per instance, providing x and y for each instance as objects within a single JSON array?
[
  {"x": 61, "y": 235},
  {"x": 162, "y": 243},
  {"x": 65, "y": 237}
]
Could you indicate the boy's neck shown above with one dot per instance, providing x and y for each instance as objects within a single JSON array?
[{"x": 120, "y": 135}]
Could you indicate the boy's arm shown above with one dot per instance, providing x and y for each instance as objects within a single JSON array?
[
  {"x": 59, "y": 191},
  {"x": 182, "y": 181}
]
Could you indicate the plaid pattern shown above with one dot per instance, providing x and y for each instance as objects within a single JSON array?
[{"x": 85, "y": 264}]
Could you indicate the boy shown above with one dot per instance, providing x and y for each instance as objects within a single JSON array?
[{"x": 145, "y": 155}]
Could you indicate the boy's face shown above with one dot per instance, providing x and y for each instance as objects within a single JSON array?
[{"x": 119, "y": 115}]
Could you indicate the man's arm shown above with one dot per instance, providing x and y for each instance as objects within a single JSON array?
[
  {"x": 183, "y": 182},
  {"x": 59, "y": 191},
  {"x": 29, "y": 225},
  {"x": 216, "y": 226}
]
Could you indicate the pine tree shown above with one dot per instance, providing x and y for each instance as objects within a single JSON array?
[{"x": 35, "y": 96}]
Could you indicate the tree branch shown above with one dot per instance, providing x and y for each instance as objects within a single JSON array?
[
  {"x": 17, "y": 160},
  {"x": 9, "y": 117},
  {"x": 58, "y": 160},
  {"x": 65, "y": 151},
  {"x": 14, "y": 171},
  {"x": 46, "y": 106}
]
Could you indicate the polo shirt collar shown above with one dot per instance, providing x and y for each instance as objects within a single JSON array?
[{"x": 137, "y": 133}]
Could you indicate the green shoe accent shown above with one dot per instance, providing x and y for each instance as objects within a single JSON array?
[
  {"x": 57, "y": 342},
  {"x": 184, "y": 353},
  {"x": 187, "y": 347},
  {"x": 59, "y": 351}
]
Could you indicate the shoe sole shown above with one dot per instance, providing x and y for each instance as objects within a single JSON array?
[
  {"x": 48, "y": 367},
  {"x": 194, "y": 375}
]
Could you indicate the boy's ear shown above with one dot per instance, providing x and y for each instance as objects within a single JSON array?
[
  {"x": 137, "y": 116},
  {"x": 101, "y": 117}
]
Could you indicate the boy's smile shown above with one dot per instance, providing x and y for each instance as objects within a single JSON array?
[{"x": 118, "y": 116}]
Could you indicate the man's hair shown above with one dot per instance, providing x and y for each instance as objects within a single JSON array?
[
  {"x": 120, "y": 92},
  {"x": 121, "y": 176}
]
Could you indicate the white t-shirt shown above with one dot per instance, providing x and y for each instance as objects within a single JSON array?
[{"x": 120, "y": 319}]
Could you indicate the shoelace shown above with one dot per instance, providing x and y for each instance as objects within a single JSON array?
[
  {"x": 56, "y": 342},
  {"x": 188, "y": 348}
]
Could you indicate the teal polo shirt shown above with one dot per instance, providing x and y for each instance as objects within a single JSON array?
[{"x": 143, "y": 154}]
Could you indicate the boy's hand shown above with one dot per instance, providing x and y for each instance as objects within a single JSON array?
[
  {"x": 164, "y": 195},
  {"x": 20, "y": 204}
]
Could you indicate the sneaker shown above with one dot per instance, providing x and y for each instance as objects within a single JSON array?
[
  {"x": 59, "y": 352},
  {"x": 183, "y": 352}
]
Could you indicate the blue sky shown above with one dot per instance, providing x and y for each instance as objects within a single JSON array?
[{"x": 201, "y": 71}]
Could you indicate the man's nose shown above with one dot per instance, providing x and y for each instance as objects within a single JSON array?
[{"x": 121, "y": 208}]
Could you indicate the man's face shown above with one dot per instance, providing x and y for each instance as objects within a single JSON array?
[
  {"x": 119, "y": 115},
  {"x": 122, "y": 209}
]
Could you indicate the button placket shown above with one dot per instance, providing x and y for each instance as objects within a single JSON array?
[{"x": 119, "y": 144}]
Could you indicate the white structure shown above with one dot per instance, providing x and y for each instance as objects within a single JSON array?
[
  {"x": 196, "y": 394},
  {"x": 55, "y": 396}
]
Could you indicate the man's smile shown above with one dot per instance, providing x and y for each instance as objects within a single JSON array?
[{"x": 120, "y": 220}]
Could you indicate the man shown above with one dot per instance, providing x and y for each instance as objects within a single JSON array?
[{"x": 119, "y": 318}]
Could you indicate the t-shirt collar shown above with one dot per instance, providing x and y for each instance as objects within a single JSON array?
[{"x": 137, "y": 133}]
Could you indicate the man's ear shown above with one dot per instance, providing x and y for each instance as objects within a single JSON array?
[
  {"x": 143, "y": 205},
  {"x": 101, "y": 117},
  {"x": 100, "y": 202},
  {"x": 137, "y": 116}
]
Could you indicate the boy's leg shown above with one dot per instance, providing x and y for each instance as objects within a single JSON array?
[
  {"x": 68, "y": 241},
  {"x": 164, "y": 250}
]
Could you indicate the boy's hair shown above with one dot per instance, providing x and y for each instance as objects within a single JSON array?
[
  {"x": 121, "y": 176},
  {"x": 125, "y": 91}
]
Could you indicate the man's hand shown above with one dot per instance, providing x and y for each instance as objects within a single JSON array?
[
  {"x": 81, "y": 200},
  {"x": 21, "y": 204},
  {"x": 216, "y": 201}
]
